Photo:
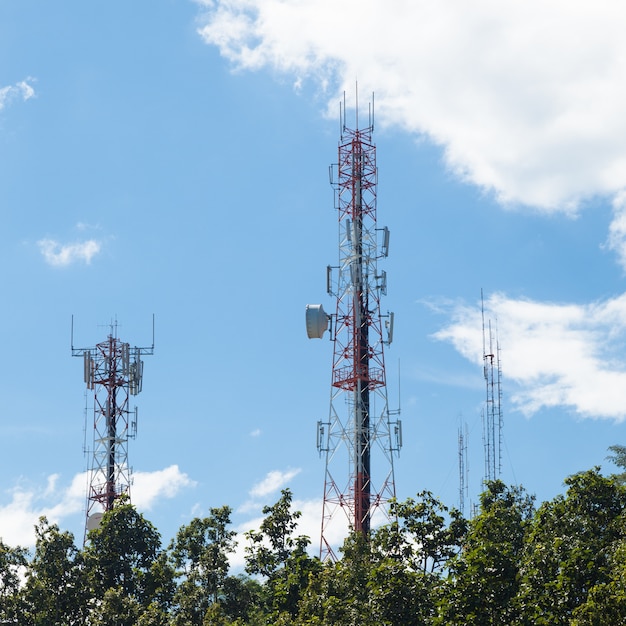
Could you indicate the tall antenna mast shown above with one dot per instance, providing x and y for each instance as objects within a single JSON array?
[
  {"x": 463, "y": 466},
  {"x": 492, "y": 414},
  {"x": 113, "y": 371},
  {"x": 359, "y": 433}
]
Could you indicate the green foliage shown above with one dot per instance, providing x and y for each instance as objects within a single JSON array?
[
  {"x": 393, "y": 577},
  {"x": 271, "y": 547},
  {"x": 241, "y": 598},
  {"x": 410, "y": 556},
  {"x": 428, "y": 533},
  {"x": 124, "y": 563},
  {"x": 484, "y": 577},
  {"x": 281, "y": 558},
  {"x": 618, "y": 458},
  {"x": 12, "y": 563},
  {"x": 116, "y": 608},
  {"x": 606, "y": 602},
  {"x": 200, "y": 552},
  {"x": 562, "y": 564},
  {"x": 401, "y": 595},
  {"x": 56, "y": 587},
  {"x": 338, "y": 594},
  {"x": 570, "y": 548}
]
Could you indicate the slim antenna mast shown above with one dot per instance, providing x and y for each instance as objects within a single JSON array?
[
  {"x": 463, "y": 439},
  {"x": 492, "y": 414}
]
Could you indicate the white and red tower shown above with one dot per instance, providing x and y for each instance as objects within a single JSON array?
[
  {"x": 113, "y": 371},
  {"x": 359, "y": 439}
]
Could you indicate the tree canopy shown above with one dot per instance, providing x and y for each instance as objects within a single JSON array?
[{"x": 512, "y": 563}]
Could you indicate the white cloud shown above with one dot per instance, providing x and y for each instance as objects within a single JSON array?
[
  {"x": 62, "y": 255},
  {"x": 83, "y": 226},
  {"x": 274, "y": 481},
  {"x": 616, "y": 240},
  {"x": 150, "y": 487},
  {"x": 17, "y": 519},
  {"x": 27, "y": 503},
  {"x": 25, "y": 90},
  {"x": 72, "y": 498},
  {"x": 553, "y": 355},
  {"x": 22, "y": 90},
  {"x": 525, "y": 97}
]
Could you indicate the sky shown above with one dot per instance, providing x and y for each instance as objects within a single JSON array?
[{"x": 170, "y": 158}]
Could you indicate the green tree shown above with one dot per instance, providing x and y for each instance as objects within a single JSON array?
[
  {"x": 126, "y": 567},
  {"x": 242, "y": 600},
  {"x": 409, "y": 557},
  {"x": 55, "y": 586},
  {"x": 13, "y": 562},
  {"x": 426, "y": 535},
  {"x": 392, "y": 576},
  {"x": 401, "y": 595},
  {"x": 570, "y": 549},
  {"x": 339, "y": 593},
  {"x": 484, "y": 576},
  {"x": 115, "y": 608},
  {"x": 606, "y": 602},
  {"x": 280, "y": 557},
  {"x": 618, "y": 458},
  {"x": 200, "y": 552}
]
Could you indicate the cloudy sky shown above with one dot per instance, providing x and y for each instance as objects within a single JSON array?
[{"x": 170, "y": 157}]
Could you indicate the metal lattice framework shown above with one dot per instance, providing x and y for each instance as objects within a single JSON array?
[
  {"x": 359, "y": 439},
  {"x": 113, "y": 371},
  {"x": 492, "y": 415}
]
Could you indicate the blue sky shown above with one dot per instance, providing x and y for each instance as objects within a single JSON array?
[{"x": 171, "y": 157}]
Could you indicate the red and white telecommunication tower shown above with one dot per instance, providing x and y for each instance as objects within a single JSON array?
[
  {"x": 359, "y": 439},
  {"x": 113, "y": 371}
]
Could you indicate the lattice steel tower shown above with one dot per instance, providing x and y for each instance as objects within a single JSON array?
[
  {"x": 359, "y": 439},
  {"x": 113, "y": 371}
]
